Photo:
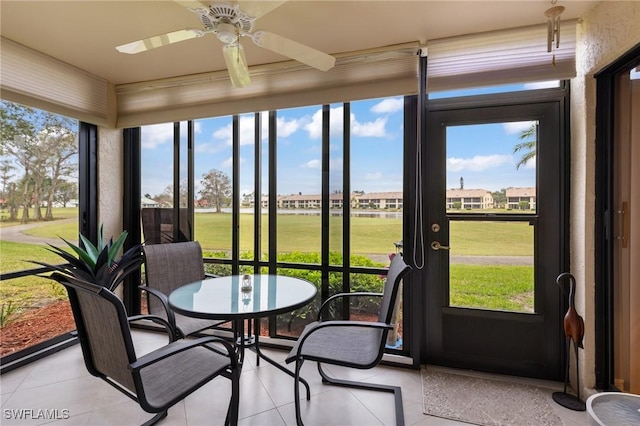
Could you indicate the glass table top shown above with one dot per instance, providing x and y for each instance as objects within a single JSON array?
[{"x": 224, "y": 298}]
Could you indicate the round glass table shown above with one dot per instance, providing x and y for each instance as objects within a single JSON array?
[
  {"x": 224, "y": 297},
  {"x": 239, "y": 298}
]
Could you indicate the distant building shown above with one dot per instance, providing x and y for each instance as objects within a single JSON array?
[
  {"x": 148, "y": 202},
  {"x": 379, "y": 200},
  {"x": 469, "y": 199},
  {"x": 300, "y": 201},
  {"x": 464, "y": 199},
  {"x": 516, "y": 196},
  {"x": 202, "y": 203}
]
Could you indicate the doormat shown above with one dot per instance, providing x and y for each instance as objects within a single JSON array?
[{"x": 486, "y": 402}]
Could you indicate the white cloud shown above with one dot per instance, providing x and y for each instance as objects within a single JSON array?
[
  {"x": 158, "y": 134},
  {"x": 312, "y": 164},
  {"x": 477, "y": 163},
  {"x": 228, "y": 163},
  {"x": 388, "y": 106},
  {"x": 367, "y": 129},
  {"x": 517, "y": 126},
  {"x": 286, "y": 128},
  {"x": 247, "y": 128},
  {"x": 541, "y": 85},
  {"x": 314, "y": 127},
  {"x": 370, "y": 129}
]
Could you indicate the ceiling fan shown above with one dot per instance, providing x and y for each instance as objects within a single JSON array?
[{"x": 229, "y": 22}]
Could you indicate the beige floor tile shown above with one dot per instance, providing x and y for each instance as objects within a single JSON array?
[{"x": 61, "y": 382}]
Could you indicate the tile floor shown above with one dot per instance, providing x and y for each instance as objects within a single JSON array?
[{"x": 61, "y": 382}]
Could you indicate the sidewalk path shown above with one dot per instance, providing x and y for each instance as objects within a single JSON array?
[
  {"x": 16, "y": 233},
  {"x": 474, "y": 260}
]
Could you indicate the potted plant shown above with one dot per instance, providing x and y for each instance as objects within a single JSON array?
[{"x": 97, "y": 264}]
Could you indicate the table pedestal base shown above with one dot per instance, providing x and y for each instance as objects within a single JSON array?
[{"x": 246, "y": 337}]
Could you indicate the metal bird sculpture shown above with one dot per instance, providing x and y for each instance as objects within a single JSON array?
[{"x": 573, "y": 325}]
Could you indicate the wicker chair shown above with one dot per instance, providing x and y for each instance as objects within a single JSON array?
[
  {"x": 156, "y": 380},
  {"x": 356, "y": 344},
  {"x": 167, "y": 267}
]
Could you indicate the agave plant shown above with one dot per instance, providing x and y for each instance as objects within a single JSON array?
[{"x": 97, "y": 263}]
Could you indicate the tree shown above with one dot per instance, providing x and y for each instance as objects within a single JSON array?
[
  {"x": 41, "y": 144},
  {"x": 500, "y": 198},
  {"x": 60, "y": 140},
  {"x": 528, "y": 146},
  {"x": 5, "y": 178},
  {"x": 166, "y": 198},
  {"x": 65, "y": 192},
  {"x": 216, "y": 188}
]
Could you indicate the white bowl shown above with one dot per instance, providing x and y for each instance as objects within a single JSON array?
[{"x": 614, "y": 409}]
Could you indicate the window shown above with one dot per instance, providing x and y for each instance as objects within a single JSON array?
[
  {"x": 39, "y": 203},
  {"x": 303, "y": 186}
]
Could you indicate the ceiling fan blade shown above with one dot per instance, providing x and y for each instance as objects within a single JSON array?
[
  {"x": 191, "y": 4},
  {"x": 236, "y": 64},
  {"x": 300, "y": 52},
  {"x": 258, "y": 8},
  {"x": 159, "y": 40}
]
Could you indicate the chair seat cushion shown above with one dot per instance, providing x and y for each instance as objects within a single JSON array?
[
  {"x": 188, "y": 325},
  {"x": 177, "y": 376},
  {"x": 350, "y": 346}
]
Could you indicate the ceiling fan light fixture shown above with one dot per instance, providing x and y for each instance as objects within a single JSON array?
[
  {"x": 227, "y": 33},
  {"x": 237, "y": 65}
]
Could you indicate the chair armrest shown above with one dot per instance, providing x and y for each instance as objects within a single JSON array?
[
  {"x": 207, "y": 275},
  {"x": 158, "y": 320},
  {"x": 164, "y": 299},
  {"x": 343, "y": 295},
  {"x": 181, "y": 346}
]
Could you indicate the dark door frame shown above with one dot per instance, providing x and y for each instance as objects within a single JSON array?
[
  {"x": 555, "y": 303},
  {"x": 604, "y": 207}
]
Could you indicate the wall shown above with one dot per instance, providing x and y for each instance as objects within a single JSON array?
[
  {"x": 110, "y": 185},
  {"x": 607, "y": 32}
]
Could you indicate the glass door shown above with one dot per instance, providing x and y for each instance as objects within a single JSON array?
[{"x": 495, "y": 247}]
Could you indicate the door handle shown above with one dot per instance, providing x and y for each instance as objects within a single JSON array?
[{"x": 435, "y": 245}]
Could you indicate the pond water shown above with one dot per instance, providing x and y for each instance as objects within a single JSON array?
[{"x": 316, "y": 212}]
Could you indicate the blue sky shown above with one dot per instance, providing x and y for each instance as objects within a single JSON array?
[{"x": 481, "y": 154}]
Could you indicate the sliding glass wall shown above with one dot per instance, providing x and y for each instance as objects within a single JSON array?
[{"x": 304, "y": 187}]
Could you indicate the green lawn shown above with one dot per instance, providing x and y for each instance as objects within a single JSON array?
[
  {"x": 493, "y": 287},
  {"x": 368, "y": 235},
  {"x": 58, "y": 213},
  {"x": 491, "y": 238},
  {"x": 32, "y": 290},
  {"x": 508, "y": 288}
]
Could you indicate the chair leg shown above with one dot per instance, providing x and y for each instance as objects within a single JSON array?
[
  {"x": 396, "y": 390},
  {"x": 296, "y": 391},
  {"x": 155, "y": 419},
  {"x": 234, "y": 403}
]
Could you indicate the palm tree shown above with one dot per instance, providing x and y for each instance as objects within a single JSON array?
[{"x": 528, "y": 146}]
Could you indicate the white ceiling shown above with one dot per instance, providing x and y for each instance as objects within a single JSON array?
[{"x": 85, "y": 33}]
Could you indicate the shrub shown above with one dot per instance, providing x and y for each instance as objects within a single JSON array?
[{"x": 7, "y": 310}]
